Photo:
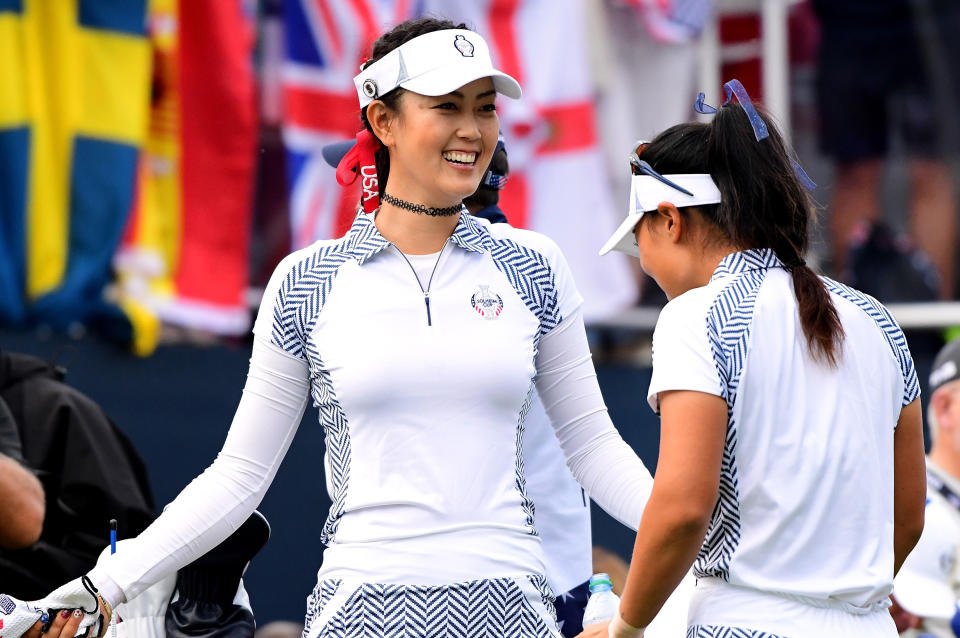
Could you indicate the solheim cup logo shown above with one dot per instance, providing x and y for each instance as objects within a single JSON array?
[
  {"x": 488, "y": 304},
  {"x": 464, "y": 46}
]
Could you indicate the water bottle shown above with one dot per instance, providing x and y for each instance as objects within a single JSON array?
[{"x": 603, "y": 604}]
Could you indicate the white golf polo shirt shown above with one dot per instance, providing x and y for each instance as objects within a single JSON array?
[
  {"x": 423, "y": 410},
  {"x": 806, "y": 489}
]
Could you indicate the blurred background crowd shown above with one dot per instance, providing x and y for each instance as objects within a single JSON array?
[{"x": 159, "y": 157}]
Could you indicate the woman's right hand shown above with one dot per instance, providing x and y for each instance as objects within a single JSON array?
[{"x": 64, "y": 625}]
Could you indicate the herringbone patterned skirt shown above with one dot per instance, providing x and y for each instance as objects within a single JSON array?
[{"x": 509, "y": 607}]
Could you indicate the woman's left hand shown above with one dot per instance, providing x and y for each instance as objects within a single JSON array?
[{"x": 64, "y": 625}]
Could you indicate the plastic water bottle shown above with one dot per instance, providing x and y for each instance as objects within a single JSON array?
[{"x": 603, "y": 604}]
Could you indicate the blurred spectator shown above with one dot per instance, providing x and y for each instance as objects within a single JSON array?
[
  {"x": 924, "y": 598},
  {"x": 89, "y": 471},
  {"x": 883, "y": 74},
  {"x": 21, "y": 495},
  {"x": 928, "y": 585},
  {"x": 887, "y": 265},
  {"x": 486, "y": 199}
]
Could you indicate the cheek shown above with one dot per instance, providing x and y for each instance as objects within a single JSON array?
[
  {"x": 490, "y": 129},
  {"x": 421, "y": 135},
  {"x": 644, "y": 245}
]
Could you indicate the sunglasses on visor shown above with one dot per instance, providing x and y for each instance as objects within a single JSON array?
[{"x": 642, "y": 167}]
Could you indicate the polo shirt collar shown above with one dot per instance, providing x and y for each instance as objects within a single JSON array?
[
  {"x": 745, "y": 261},
  {"x": 469, "y": 234},
  {"x": 364, "y": 240}
]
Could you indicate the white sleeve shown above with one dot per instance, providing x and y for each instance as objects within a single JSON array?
[
  {"x": 218, "y": 501},
  {"x": 601, "y": 461},
  {"x": 682, "y": 356}
]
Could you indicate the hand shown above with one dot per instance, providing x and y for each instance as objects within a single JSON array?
[
  {"x": 616, "y": 628},
  {"x": 596, "y": 630},
  {"x": 80, "y": 596},
  {"x": 64, "y": 625}
]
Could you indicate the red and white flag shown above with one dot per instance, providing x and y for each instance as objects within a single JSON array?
[{"x": 558, "y": 183}]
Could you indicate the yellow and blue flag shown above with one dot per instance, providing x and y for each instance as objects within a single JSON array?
[{"x": 74, "y": 104}]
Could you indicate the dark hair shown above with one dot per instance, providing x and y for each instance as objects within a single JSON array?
[
  {"x": 488, "y": 195},
  {"x": 400, "y": 34},
  {"x": 763, "y": 204}
]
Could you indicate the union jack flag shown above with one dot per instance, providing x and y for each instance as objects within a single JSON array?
[{"x": 326, "y": 41}]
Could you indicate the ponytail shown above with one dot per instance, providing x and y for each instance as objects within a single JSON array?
[
  {"x": 818, "y": 316},
  {"x": 763, "y": 205}
]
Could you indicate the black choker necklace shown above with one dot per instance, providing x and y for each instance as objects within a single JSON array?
[{"x": 423, "y": 210}]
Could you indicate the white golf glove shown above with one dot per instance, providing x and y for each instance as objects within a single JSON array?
[
  {"x": 16, "y": 616},
  {"x": 78, "y": 594}
]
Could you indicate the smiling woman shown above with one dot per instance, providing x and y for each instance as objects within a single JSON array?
[
  {"x": 437, "y": 135},
  {"x": 421, "y": 336}
]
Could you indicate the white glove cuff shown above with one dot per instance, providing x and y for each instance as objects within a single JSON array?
[{"x": 620, "y": 628}]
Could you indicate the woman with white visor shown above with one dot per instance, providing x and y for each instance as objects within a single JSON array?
[
  {"x": 791, "y": 468},
  {"x": 420, "y": 336}
]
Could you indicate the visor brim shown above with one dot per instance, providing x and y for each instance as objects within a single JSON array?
[
  {"x": 923, "y": 596},
  {"x": 623, "y": 239},
  {"x": 441, "y": 82}
]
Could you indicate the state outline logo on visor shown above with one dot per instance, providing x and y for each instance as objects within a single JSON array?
[{"x": 464, "y": 46}]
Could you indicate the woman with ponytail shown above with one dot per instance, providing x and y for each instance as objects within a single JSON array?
[{"x": 791, "y": 469}]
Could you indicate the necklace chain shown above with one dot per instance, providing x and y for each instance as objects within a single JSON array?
[{"x": 421, "y": 209}]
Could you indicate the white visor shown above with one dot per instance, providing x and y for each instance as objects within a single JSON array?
[
  {"x": 433, "y": 64},
  {"x": 647, "y": 193},
  {"x": 924, "y": 585}
]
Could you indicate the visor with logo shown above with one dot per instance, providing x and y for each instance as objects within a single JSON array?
[{"x": 433, "y": 64}]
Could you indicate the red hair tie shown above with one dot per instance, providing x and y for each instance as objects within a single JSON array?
[{"x": 361, "y": 161}]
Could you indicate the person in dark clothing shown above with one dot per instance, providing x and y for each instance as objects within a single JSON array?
[
  {"x": 21, "y": 495},
  {"x": 484, "y": 201},
  {"x": 88, "y": 468},
  {"x": 65, "y": 470},
  {"x": 887, "y": 70}
]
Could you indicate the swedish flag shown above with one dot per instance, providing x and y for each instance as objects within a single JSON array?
[{"x": 74, "y": 103}]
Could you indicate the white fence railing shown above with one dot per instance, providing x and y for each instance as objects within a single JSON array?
[{"x": 934, "y": 315}]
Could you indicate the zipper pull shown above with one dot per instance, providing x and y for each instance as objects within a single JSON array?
[{"x": 426, "y": 300}]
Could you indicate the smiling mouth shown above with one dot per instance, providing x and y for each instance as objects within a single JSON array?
[{"x": 460, "y": 159}]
